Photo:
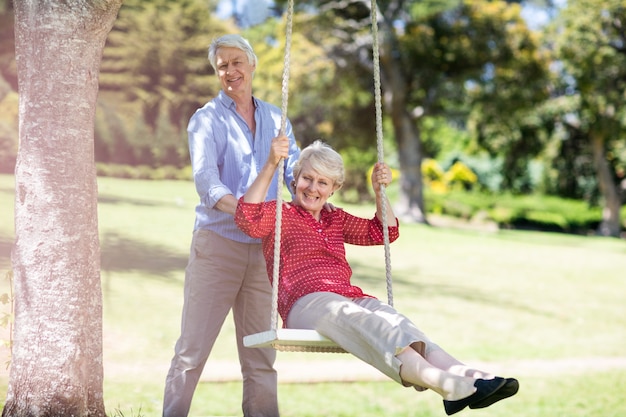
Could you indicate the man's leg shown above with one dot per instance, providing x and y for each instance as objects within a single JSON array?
[
  {"x": 209, "y": 292},
  {"x": 252, "y": 313}
]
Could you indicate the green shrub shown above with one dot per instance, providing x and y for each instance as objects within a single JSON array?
[
  {"x": 547, "y": 219},
  {"x": 460, "y": 176},
  {"x": 521, "y": 212},
  {"x": 431, "y": 171}
]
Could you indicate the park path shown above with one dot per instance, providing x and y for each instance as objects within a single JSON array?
[
  {"x": 347, "y": 368},
  {"x": 339, "y": 367},
  {"x": 351, "y": 369}
]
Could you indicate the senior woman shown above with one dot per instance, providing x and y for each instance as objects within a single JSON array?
[{"x": 315, "y": 291}]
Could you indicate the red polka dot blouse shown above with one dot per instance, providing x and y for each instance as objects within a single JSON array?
[{"x": 312, "y": 253}]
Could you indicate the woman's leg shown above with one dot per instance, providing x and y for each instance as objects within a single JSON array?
[
  {"x": 416, "y": 370},
  {"x": 367, "y": 335},
  {"x": 443, "y": 360},
  {"x": 377, "y": 334}
]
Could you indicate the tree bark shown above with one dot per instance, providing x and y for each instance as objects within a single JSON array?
[
  {"x": 410, "y": 206},
  {"x": 56, "y": 365},
  {"x": 610, "y": 225}
]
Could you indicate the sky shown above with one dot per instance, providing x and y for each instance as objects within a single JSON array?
[
  {"x": 252, "y": 12},
  {"x": 537, "y": 17}
]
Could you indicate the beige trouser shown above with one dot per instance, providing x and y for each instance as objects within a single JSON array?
[
  {"x": 371, "y": 330},
  {"x": 223, "y": 274}
]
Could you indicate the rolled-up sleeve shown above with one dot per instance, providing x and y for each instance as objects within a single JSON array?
[
  {"x": 365, "y": 232},
  {"x": 203, "y": 144}
]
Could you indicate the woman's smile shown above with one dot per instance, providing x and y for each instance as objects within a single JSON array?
[{"x": 312, "y": 190}]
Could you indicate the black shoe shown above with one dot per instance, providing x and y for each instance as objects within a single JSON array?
[
  {"x": 484, "y": 389},
  {"x": 509, "y": 389}
]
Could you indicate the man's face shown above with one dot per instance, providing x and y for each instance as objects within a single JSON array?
[{"x": 234, "y": 71}]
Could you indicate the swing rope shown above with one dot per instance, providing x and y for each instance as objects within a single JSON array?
[
  {"x": 380, "y": 146},
  {"x": 281, "y": 168},
  {"x": 309, "y": 340}
]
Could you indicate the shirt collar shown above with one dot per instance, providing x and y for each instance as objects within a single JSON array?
[{"x": 228, "y": 102}]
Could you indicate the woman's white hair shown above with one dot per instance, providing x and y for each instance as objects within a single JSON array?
[
  {"x": 231, "y": 41},
  {"x": 324, "y": 160}
]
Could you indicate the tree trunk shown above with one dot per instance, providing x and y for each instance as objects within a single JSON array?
[
  {"x": 411, "y": 203},
  {"x": 56, "y": 365},
  {"x": 610, "y": 225},
  {"x": 410, "y": 206}
]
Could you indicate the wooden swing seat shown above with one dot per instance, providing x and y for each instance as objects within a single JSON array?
[{"x": 292, "y": 340}]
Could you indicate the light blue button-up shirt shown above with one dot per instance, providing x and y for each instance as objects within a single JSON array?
[{"x": 226, "y": 158}]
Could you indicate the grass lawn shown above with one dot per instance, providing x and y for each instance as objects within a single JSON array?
[{"x": 528, "y": 304}]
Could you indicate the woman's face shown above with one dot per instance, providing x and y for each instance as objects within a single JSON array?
[{"x": 312, "y": 190}]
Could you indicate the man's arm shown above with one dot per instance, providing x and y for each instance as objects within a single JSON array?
[{"x": 227, "y": 204}]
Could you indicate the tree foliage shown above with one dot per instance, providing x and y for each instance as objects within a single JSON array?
[
  {"x": 591, "y": 44},
  {"x": 462, "y": 80},
  {"x": 474, "y": 63},
  {"x": 8, "y": 89},
  {"x": 155, "y": 73}
]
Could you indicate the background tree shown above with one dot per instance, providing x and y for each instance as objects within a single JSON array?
[
  {"x": 472, "y": 85},
  {"x": 591, "y": 44},
  {"x": 155, "y": 74},
  {"x": 56, "y": 365},
  {"x": 7, "y": 44},
  {"x": 442, "y": 59},
  {"x": 8, "y": 88},
  {"x": 330, "y": 99},
  {"x": 506, "y": 80}
]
